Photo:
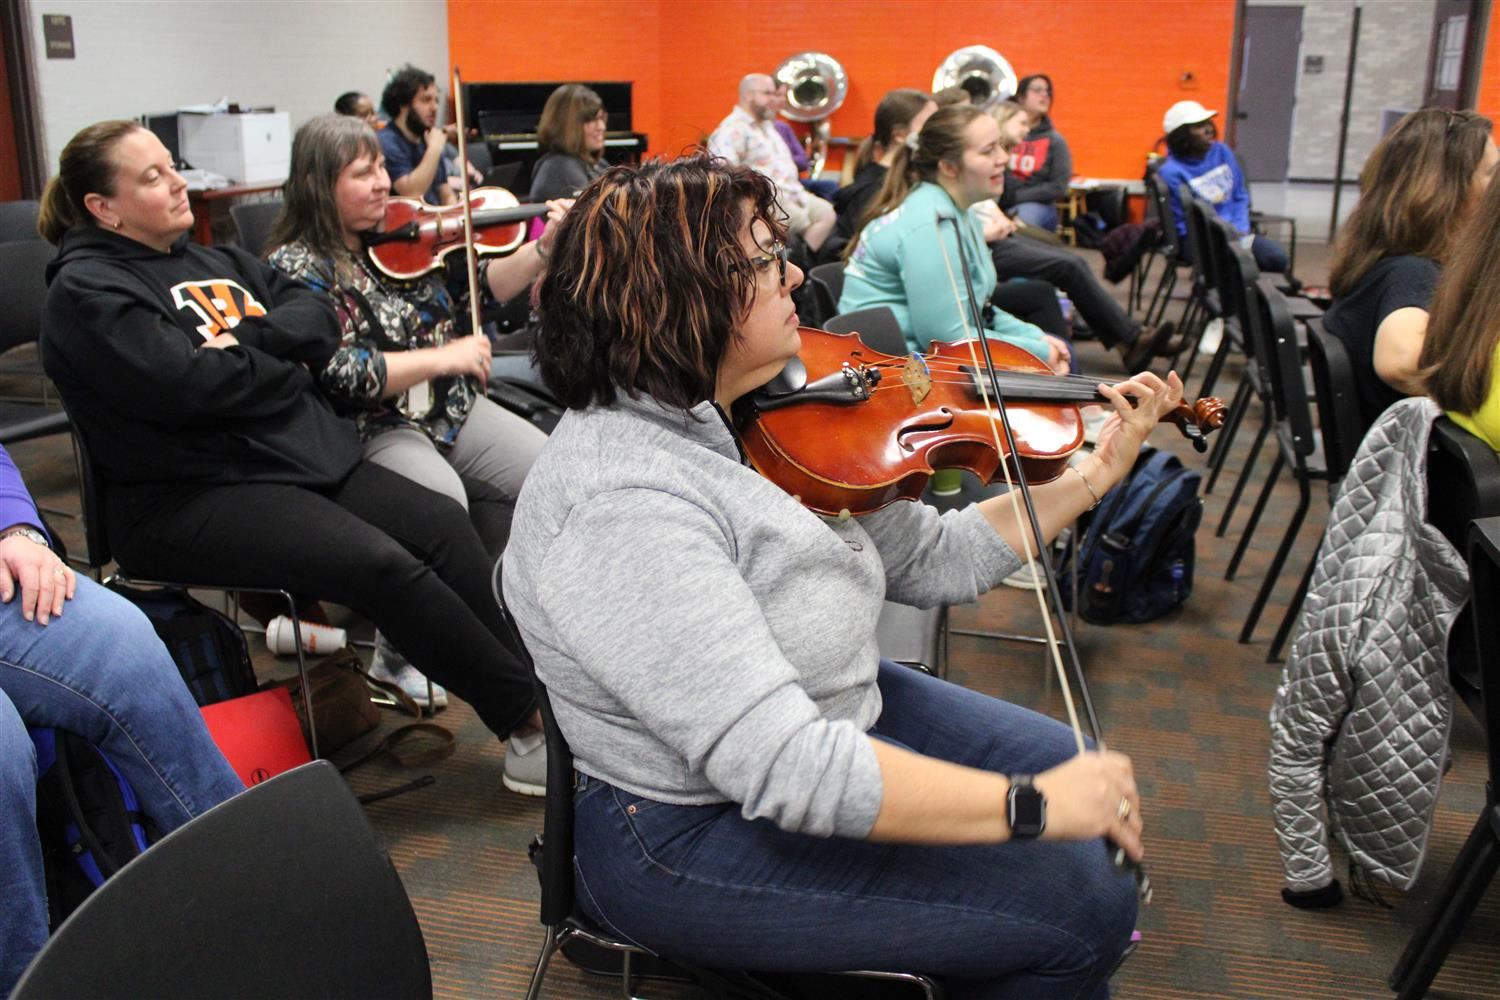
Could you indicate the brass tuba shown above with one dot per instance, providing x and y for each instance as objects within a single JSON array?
[
  {"x": 816, "y": 86},
  {"x": 981, "y": 71}
]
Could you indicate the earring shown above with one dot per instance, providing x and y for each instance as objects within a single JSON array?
[{"x": 118, "y": 223}]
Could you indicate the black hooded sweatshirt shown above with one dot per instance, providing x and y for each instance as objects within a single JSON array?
[{"x": 122, "y": 337}]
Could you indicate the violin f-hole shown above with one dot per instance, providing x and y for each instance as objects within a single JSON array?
[{"x": 925, "y": 426}]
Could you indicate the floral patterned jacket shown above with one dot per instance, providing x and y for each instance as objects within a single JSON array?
[{"x": 379, "y": 314}]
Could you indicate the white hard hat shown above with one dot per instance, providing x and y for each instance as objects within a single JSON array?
[{"x": 1184, "y": 113}]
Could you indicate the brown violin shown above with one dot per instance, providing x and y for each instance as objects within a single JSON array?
[
  {"x": 416, "y": 237},
  {"x": 845, "y": 428}
]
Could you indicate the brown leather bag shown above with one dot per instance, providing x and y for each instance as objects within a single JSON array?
[{"x": 342, "y": 709}]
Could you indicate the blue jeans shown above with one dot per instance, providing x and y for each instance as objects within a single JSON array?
[
  {"x": 1024, "y": 919},
  {"x": 1042, "y": 214},
  {"x": 97, "y": 670},
  {"x": 1269, "y": 255}
]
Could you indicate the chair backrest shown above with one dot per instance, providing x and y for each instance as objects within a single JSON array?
[
  {"x": 1278, "y": 333},
  {"x": 1238, "y": 279},
  {"x": 91, "y": 497},
  {"x": 23, "y": 290},
  {"x": 1193, "y": 248},
  {"x": 280, "y": 891},
  {"x": 558, "y": 900},
  {"x": 1484, "y": 592},
  {"x": 876, "y": 326},
  {"x": 1159, "y": 207},
  {"x": 827, "y": 281},
  {"x": 1463, "y": 481},
  {"x": 253, "y": 221},
  {"x": 1338, "y": 401},
  {"x": 18, "y": 220}
]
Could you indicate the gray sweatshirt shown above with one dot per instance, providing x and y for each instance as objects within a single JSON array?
[{"x": 705, "y": 638}]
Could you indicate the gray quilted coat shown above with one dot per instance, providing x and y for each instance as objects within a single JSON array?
[{"x": 1359, "y": 729}]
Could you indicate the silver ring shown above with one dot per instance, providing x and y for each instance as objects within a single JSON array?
[{"x": 1123, "y": 813}]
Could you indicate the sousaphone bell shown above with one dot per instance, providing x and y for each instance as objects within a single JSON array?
[
  {"x": 980, "y": 70},
  {"x": 816, "y": 86}
]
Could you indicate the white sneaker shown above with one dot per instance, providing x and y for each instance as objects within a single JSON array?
[
  {"x": 1021, "y": 579},
  {"x": 1213, "y": 335},
  {"x": 525, "y": 765},
  {"x": 1094, "y": 418},
  {"x": 411, "y": 681}
]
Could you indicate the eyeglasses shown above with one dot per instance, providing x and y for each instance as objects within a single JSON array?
[{"x": 777, "y": 256}]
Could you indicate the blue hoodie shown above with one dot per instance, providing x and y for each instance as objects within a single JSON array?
[{"x": 1216, "y": 179}]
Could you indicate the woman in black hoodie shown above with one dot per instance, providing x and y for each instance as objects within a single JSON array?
[
  {"x": 189, "y": 371},
  {"x": 1042, "y": 166}
]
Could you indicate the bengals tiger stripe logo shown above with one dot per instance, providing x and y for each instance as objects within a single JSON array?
[{"x": 220, "y": 303}]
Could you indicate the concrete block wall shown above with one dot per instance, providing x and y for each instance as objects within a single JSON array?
[{"x": 1390, "y": 72}]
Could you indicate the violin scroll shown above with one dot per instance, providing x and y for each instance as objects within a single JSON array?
[{"x": 1197, "y": 420}]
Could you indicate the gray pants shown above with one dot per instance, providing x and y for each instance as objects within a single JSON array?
[{"x": 494, "y": 445}]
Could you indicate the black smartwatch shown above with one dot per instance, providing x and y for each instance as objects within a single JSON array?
[{"x": 1025, "y": 808}]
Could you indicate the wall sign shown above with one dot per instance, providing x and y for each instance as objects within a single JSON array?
[{"x": 57, "y": 31}]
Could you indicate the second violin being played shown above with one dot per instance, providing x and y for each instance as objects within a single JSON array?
[
  {"x": 848, "y": 429},
  {"x": 417, "y": 237}
]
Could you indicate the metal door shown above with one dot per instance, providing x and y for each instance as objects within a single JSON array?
[{"x": 1268, "y": 90}]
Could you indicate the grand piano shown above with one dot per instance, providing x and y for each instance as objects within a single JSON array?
[{"x": 505, "y": 115}]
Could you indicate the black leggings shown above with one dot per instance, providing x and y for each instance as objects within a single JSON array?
[{"x": 403, "y": 556}]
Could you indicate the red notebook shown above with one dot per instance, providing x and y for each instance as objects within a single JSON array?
[{"x": 258, "y": 734}]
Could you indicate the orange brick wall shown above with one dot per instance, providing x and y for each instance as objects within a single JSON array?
[{"x": 1117, "y": 64}]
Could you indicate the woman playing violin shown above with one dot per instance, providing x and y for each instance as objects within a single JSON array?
[
  {"x": 907, "y": 257},
  {"x": 413, "y": 385},
  {"x": 758, "y": 788}
]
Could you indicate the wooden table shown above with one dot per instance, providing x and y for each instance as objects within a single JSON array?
[{"x": 202, "y": 203}]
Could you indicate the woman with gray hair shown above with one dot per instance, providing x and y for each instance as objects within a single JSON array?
[{"x": 412, "y": 382}]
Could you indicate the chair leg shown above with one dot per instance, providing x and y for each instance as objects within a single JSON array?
[
  {"x": 1288, "y": 620},
  {"x": 1282, "y": 551},
  {"x": 307, "y": 695},
  {"x": 549, "y": 946},
  {"x": 1450, "y": 909},
  {"x": 1222, "y": 441},
  {"x": 1243, "y": 478},
  {"x": 1260, "y": 506}
]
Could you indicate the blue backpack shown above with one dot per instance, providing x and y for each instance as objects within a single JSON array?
[
  {"x": 1136, "y": 556},
  {"x": 88, "y": 818}
]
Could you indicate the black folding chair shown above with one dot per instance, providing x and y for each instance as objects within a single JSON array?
[
  {"x": 1342, "y": 429},
  {"x": 827, "y": 281},
  {"x": 1297, "y": 444},
  {"x": 1474, "y": 868},
  {"x": 877, "y": 328},
  {"x": 253, "y": 221},
  {"x": 18, "y": 220},
  {"x": 281, "y": 891},
  {"x": 91, "y": 491}
]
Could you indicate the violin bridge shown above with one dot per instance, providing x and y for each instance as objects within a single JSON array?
[{"x": 917, "y": 378}]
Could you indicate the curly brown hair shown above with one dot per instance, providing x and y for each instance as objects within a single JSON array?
[{"x": 647, "y": 281}]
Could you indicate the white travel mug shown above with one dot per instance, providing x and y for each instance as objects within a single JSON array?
[{"x": 316, "y": 639}]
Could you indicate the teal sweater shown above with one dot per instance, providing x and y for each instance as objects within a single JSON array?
[{"x": 899, "y": 263}]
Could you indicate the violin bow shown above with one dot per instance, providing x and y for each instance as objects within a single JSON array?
[
  {"x": 470, "y": 256},
  {"x": 1019, "y": 493}
]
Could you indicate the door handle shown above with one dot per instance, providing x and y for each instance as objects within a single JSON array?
[{"x": 1241, "y": 115}]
